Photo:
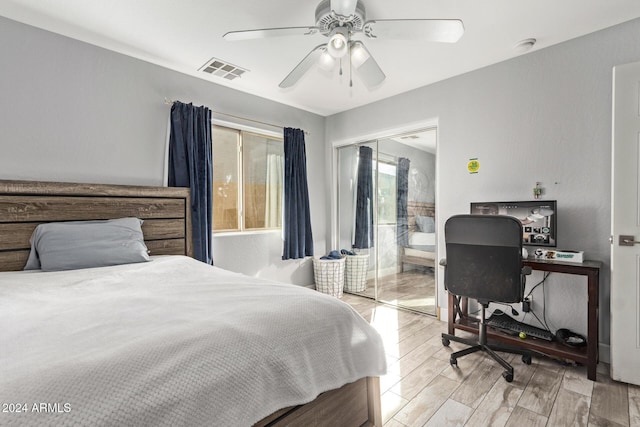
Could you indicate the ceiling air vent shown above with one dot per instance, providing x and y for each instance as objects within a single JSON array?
[{"x": 220, "y": 68}]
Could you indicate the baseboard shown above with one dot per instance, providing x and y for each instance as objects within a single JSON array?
[
  {"x": 604, "y": 350},
  {"x": 604, "y": 353}
]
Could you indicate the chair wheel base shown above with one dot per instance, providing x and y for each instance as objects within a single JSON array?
[
  {"x": 453, "y": 361},
  {"x": 445, "y": 342},
  {"x": 508, "y": 376},
  {"x": 526, "y": 359}
]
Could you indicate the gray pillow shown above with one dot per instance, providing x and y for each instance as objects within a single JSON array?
[
  {"x": 85, "y": 244},
  {"x": 426, "y": 224}
]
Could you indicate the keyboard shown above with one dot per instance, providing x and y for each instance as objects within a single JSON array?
[{"x": 506, "y": 323}]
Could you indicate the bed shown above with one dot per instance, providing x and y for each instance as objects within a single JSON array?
[
  {"x": 171, "y": 341},
  {"x": 421, "y": 249}
]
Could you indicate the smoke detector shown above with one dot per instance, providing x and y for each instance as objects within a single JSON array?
[{"x": 524, "y": 45}]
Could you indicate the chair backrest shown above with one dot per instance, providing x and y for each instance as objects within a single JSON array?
[{"x": 484, "y": 258}]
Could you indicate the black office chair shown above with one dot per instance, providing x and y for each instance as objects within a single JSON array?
[{"x": 484, "y": 262}]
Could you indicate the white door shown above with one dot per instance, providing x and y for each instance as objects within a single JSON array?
[{"x": 625, "y": 221}]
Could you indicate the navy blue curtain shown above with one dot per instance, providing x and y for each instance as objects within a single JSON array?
[
  {"x": 364, "y": 200},
  {"x": 190, "y": 165},
  {"x": 298, "y": 239},
  {"x": 402, "y": 191}
]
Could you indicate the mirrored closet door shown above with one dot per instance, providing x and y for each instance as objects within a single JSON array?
[{"x": 386, "y": 219}]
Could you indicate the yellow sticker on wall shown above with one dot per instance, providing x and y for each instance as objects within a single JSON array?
[{"x": 473, "y": 166}]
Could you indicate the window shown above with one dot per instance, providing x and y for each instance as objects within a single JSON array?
[
  {"x": 386, "y": 192},
  {"x": 248, "y": 180}
]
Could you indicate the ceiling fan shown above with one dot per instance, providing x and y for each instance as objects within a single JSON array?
[{"x": 342, "y": 21}]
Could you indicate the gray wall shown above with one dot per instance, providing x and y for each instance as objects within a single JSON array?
[
  {"x": 544, "y": 116},
  {"x": 70, "y": 111}
]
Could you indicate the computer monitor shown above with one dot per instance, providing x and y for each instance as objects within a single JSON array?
[{"x": 538, "y": 218}]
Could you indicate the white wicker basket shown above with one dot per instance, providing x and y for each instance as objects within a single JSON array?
[
  {"x": 356, "y": 267},
  {"x": 329, "y": 276}
]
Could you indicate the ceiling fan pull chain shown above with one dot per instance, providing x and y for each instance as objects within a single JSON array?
[
  {"x": 350, "y": 68},
  {"x": 340, "y": 66}
]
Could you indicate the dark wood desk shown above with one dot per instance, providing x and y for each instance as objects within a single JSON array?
[{"x": 458, "y": 318}]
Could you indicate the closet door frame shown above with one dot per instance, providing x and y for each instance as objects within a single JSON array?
[{"x": 362, "y": 139}]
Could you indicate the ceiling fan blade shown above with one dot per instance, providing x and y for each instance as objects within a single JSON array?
[
  {"x": 437, "y": 30},
  {"x": 367, "y": 67},
  {"x": 304, "y": 66},
  {"x": 270, "y": 32},
  {"x": 344, "y": 7}
]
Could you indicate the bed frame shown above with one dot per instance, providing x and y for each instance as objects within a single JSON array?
[
  {"x": 167, "y": 231},
  {"x": 25, "y": 204}
]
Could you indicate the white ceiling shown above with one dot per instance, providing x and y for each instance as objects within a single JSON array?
[{"x": 184, "y": 35}]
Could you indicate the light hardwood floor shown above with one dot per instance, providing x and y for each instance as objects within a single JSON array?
[
  {"x": 422, "y": 389},
  {"x": 414, "y": 289}
]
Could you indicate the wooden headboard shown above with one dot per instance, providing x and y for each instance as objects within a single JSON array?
[
  {"x": 25, "y": 204},
  {"x": 419, "y": 208}
]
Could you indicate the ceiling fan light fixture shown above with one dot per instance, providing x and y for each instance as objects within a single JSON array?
[
  {"x": 327, "y": 62},
  {"x": 338, "y": 43},
  {"x": 359, "y": 55}
]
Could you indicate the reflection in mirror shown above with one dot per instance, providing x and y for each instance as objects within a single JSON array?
[{"x": 386, "y": 217}]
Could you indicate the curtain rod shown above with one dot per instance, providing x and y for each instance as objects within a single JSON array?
[{"x": 170, "y": 102}]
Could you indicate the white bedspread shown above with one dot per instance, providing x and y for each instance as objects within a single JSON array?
[{"x": 171, "y": 342}]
